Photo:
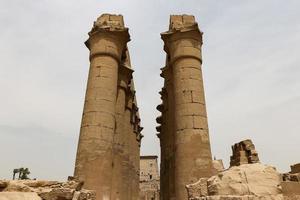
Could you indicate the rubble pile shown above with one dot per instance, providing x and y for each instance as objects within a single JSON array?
[
  {"x": 247, "y": 179},
  {"x": 44, "y": 190}
]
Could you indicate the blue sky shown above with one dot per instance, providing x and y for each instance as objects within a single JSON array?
[{"x": 250, "y": 68}]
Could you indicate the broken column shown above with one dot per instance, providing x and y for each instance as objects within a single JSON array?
[
  {"x": 243, "y": 153},
  {"x": 190, "y": 138},
  {"x": 103, "y": 154}
]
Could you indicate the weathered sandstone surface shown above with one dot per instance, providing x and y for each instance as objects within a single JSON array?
[
  {"x": 248, "y": 179},
  {"x": 43, "y": 190},
  {"x": 245, "y": 182}
]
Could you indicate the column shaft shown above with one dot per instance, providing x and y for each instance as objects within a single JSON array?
[
  {"x": 96, "y": 147},
  {"x": 94, "y": 156},
  {"x": 192, "y": 154}
]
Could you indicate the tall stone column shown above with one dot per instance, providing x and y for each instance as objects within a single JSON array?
[
  {"x": 191, "y": 140},
  {"x": 136, "y": 143},
  {"x": 94, "y": 160},
  {"x": 162, "y": 129},
  {"x": 167, "y": 134},
  {"x": 121, "y": 180},
  {"x": 131, "y": 139},
  {"x": 134, "y": 136}
]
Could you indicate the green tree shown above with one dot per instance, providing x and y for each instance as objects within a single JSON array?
[
  {"x": 24, "y": 173},
  {"x": 20, "y": 172},
  {"x": 15, "y": 171}
]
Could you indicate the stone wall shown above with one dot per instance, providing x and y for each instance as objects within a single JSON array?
[{"x": 149, "y": 178}]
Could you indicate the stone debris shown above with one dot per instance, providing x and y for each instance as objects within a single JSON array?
[
  {"x": 294, "y": 174},
  {"x": 248, "y": 179},
  {"x": 44, "y": 190},
  {"x": 291, "y": 182},
  {"x": 295, "y": 168},
  {"x": 218, "y": 166},
  {"x": 246, "y": 197},
  {"x": 197, "y": 190},
  {"x": 243, "y": 153},
  {"x": 19, "y": 196},
  {"x": 290, "y": 188}
]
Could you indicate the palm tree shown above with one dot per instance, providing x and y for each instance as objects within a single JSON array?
[
  {"x": 15, "y": 171},
  {"x": 20, "y": 172},
  {"x": 25, "y": 173}
]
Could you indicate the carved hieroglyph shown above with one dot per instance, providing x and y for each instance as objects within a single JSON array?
[
  {"x": 184, "y": 138},
  {"x": 109, "y": 144}
]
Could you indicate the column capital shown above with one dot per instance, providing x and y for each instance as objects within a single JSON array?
[
  {"x": 109, "y": 30},
  {"x": 183, "y": 39}
]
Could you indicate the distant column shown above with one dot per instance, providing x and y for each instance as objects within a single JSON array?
[
  {"x": 192, "y": 154},
  {"x": 133, "y": 130},
  {"x": 94, "y": 161}
]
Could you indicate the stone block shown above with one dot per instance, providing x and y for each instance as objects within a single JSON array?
[
  {"x": 198, "y": 189},
  {"x": 218, "y": 166},
  {"x": 186, "y": 122},
  {"x": 19, "y": 196},
  {"x": 188, "y": 20},
  {"x": 248, "y": 179},
  {"x": 200, "y": 122},
  {"x": 295, "y": 168},
  {"x": 290, "y": 188},
  {"x": 58, "y": 193},
  {"x": 243, "y": 153},
  {"x": 198, "y": 96}
]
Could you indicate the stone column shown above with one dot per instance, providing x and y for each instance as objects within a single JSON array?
[
  {"x": 162, "y": 131},
  {"x": 171, "y": 132},
  {"x": 192, "y": 148},
  {"x": 94, "y": 160},
  {"x": 167, "y": 140},
  {"x": 134, "y": 142},
  {"x": 121, "y": 180}
]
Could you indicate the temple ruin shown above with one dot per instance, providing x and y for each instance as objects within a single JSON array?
[
  {"x": 108, "y": 163},
  {"x": 149, "y": 178},
  {"x": 108, "y": 152},
  {"x": 243, "y": 153},
  {"x": 183, "y": 131}
]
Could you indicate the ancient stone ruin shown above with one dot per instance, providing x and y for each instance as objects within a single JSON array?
[
  {"x": 149, "y": 178},
  {"x": 247, "y": 180},
  {"x": 183, "y": 130},
  {"x": 108, "y": 163},
  {"x": 243, "y": 153},
  {"x": 44, "y": 190},
  {"x": 108, "y": 153}
]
